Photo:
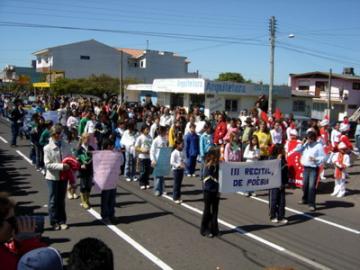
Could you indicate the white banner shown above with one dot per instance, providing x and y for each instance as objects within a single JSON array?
[{"x": 249, "y": 176}]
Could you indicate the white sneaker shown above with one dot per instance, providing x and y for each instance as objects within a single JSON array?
[
  {"x": 142, "y": 187},
  {"x": 135, "y": 179},
  {"x": 148, "y": 186},
  {"x": 188, "y": 175},
  {"x": 75, "y": 196},
  {"x": 178, "y": 201},
  {"x": 274, "y": 220},
  {"x": 69, "y": 196},
  {"x": 43, "y": 171},
  {"x": 336, "y": 191},
  {"x": 284, "y": 221},
  {"x": 194, "y": 175},
  {"x": 128, "y": 179},
  {"x": 341, "y": 194},
  {"x": 164, "y": 193}
]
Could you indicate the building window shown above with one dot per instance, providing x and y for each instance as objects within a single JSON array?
[
  {"x": 84, "y": 57},
  {"x": 319, "y": 107},
  {"x": 299, "y": 106},
  {"x": 356, "y": 85},
  {"x": 304, "y": 87},
  {"x": 143, "y": 63},
  {"x": 231, "y": 105}
]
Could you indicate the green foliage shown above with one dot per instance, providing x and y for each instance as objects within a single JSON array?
[
  {"x": 94, "y": 85},
  {"x": 232, "y": 77}
]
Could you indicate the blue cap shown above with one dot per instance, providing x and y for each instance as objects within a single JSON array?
[{"x": 41, "y": 259}]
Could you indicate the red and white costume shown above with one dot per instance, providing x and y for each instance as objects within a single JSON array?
[
  {"x": 341, "y": 160},
  {"x": 295, "y": 168}
]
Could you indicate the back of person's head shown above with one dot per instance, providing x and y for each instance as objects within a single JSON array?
[
  {"x": 46, "y": 258},
  {"x": 107, "y": 144},
  {"x": 91, "y": 254}
]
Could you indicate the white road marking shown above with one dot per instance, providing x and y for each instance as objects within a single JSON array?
[
  {"x": 24, "y": 157},
  {"x": 259, "y": 239},
  {"x": 5, "y": 141},
  {"x": 342, "y": 227},
  {"x": 132, "y": 242}
]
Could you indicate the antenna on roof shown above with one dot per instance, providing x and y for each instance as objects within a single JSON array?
[{"x": 147, "y": 44}]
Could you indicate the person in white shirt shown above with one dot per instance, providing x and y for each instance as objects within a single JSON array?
[
  {"x": 192, "y": 120},
  {"x": 200, "y": 125},
  {"x": 142, "y": 147},
  {"x": 90, "y": 129},
  {"x": 341, "y": 161},
  {"x": 128, "y": 141},
  {"x": 251, "y": 154},
  {"x": 73, "y": 121},
  {"x": 177, "y": 162},
  {"x": 335, "y": 136},
  {"x": 276, "y": 134},
  {"x": 166, "y": 120},
  {"x": 159, "y": 142},
  {"x": 154, "y": 127}
]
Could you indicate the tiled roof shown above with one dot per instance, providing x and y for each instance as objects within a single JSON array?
[
  {"x": 133, "y": 52},
  {"x": 326, "y": 74}
]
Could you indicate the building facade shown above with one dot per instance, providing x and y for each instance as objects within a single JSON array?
[
  {"x": 344, "y": 94},
  {"x": 212, "y": 96},
  {"x": 86, "y": 58}
]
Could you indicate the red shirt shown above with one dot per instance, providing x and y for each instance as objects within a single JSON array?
[{"x": 220, "y": 132}]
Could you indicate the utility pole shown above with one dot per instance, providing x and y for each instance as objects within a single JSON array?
[
  {"x": 329, "y": 94},
  {"x": 272, "y": 29},
  {"x": 121, "y": 79}
]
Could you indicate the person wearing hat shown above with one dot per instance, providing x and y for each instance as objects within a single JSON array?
[
  {"x": 312, "y": 157},
  {"x": 344, "y": 129},
  {"x": 54, "y": 152},
  {"x": 341, "y": 161},
  {"x": 292, "y": 157},
  {"x": 44, "y": 258}
]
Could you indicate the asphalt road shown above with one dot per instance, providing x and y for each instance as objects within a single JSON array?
[{"x": 155, "y": 233}]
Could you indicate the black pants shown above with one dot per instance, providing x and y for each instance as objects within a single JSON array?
[
  {"x": 178, "y": 178},
  {"x": 57, "y": 192},
  {"x": 85, "y": 184},
  {"x": 209, "y": 223},
  {"x": 145, "y": 171},
  {"x": 108, "y": 202},
  {"x": 277, "y": 203}
]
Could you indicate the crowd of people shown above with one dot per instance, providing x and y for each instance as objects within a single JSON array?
[{"x": 62, "y": 150}]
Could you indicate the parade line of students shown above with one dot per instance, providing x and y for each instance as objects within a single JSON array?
[{"x": 63, "y": 150}]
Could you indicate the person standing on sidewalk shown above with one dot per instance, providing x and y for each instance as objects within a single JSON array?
[
  {"x": 53, "y": 156},
  {"x": 312, "y": 158}
]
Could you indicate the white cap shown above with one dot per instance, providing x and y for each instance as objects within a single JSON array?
[
  {"x": 293, "y": 132},
  {"x": 344, "y": 127},
  {"x": 324, "y": 123},
  {"x": 342, "y": 146}
]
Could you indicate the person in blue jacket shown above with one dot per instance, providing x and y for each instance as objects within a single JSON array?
[
  {"x": 191, "y": 150},
  {"x": 206, "y": 141}
]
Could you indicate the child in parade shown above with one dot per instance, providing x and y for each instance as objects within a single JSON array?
[
  {"x": 252, "y": 153},
  {"x": 192, "y": 150},
  {"x": 277, "y": 195},
  {"x": 232, "y": 152},
  {"x": 206, "y": 141},
  {"x": 209, "y": 223},
  {"x": 341, "y": 160},
  {"x": 108, "y": 196},
  {"x": 128, "y": 140},
  {"x": 177, "y": 162},
  {"x": 159, "y": 142},
  {"x": 265, "y": 141},
  {"x": 142, "y": 147},
  {"x": 84, "y": 156}
]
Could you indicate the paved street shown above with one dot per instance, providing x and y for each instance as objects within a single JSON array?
[{"x": 155, "y": 233}]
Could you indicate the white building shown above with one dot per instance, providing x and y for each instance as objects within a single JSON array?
[
  {"x": 212, "y": 95},
  {"x": 86, "y": 58}
]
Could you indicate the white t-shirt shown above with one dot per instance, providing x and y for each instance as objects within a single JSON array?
[
  {"x": 90, "y": 127},
  {"x": 143, "y": 141},
  {"x": 276, "y": 136}
]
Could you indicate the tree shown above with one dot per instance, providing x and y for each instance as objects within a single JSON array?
[{"x": 232, "y": 77}]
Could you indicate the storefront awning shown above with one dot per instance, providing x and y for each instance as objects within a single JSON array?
[{"x": 41, "y": 85}]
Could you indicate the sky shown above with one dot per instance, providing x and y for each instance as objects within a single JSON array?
[{"x": 216, "y": 36}]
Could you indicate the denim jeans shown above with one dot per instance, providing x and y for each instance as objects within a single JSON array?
[
  {"x": 178, "y": 177},
  {"x": 108, "y": 201},
  {"x": 310, "y": 176},
  {"x": 159, "y": 184},
  {"x": 130, "y": 165},
  {"x": 145, "y": 171},
  {"x": 14, "y": 132},
  {"x": 57, "y": 192},
  {"x": 357, "y": 142},
  {"x": 277, "y": 203},
  {"x": 191, "y": 165}
]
